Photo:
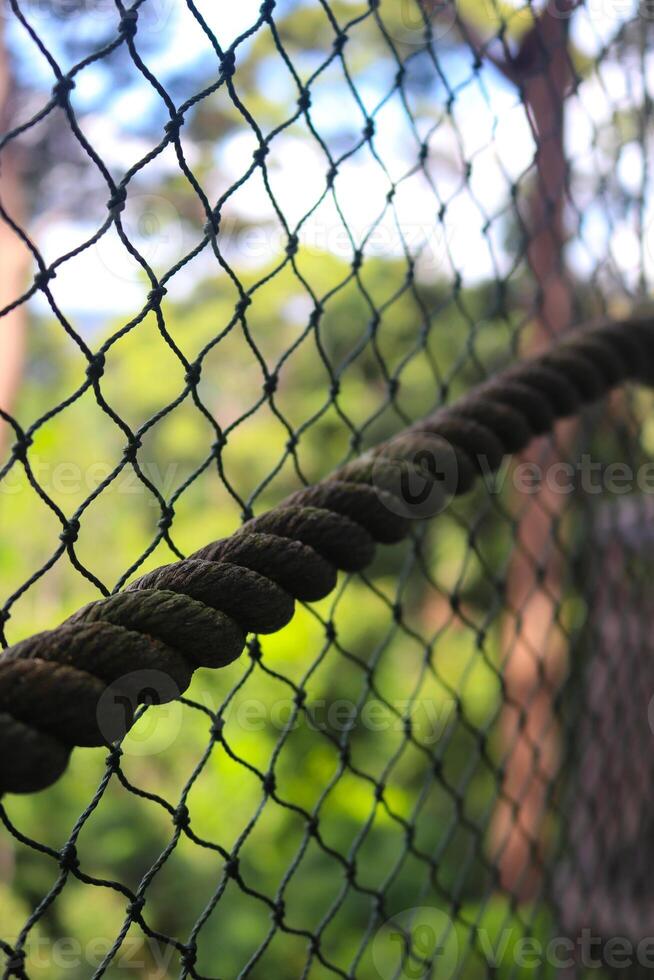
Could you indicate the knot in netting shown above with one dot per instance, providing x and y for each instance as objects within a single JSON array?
[
  {"x": 70, "y": 532},
  {"x": 96, "y": 366},
  {"x": 232, "y": 867},
  {"x": 268, "y": 784},
  {"x": 166, "y": 519},
  {"x": 260, "y": 154},
  {"x": 242, "y": 305},
  {"x": 128, "y": 24},
  {"x": 20, "y": 447},
  {"x": 189, "y": 957},
  {"x": 192, "y": 374},
  {"x": 43, "y": 277},
  {"x": 68, "y": 859},
  {"x": 113, "y": 758},
  {"x": 212, "y": 225},
  {"x": 135, "y": 908},
  {"x": 174, "y": 124},
  {"x": 278, "y": 913},
  {"x": 131, "y": 449},
  {"x": 182, "y": 817},
  {"x": 228, "y": 64},
  {"x": 61, "y": 90},
  {"x": 270, "y": 384},
  {"x": 292, "y": 246},
  {"x": 116, "y": 202},
  {"x": 218, "y": 445},
  {"x": 267, "y": 8},
  {"x": 15, "y": 965},
  {"x": 155, "y": 295}
]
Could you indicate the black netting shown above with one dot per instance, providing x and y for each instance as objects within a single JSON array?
[{"x": 238, "y": 248}]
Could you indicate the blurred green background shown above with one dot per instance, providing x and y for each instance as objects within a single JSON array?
[{"x": 397, "y": 343}]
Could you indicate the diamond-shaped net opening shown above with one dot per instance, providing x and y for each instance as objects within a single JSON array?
[{"x": 241, "y": 246}]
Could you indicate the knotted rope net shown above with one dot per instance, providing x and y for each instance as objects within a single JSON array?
[{"x": 325, "y": 473}]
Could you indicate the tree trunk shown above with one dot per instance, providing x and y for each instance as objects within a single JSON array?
[
  {"x": 535, "y": 658},
  {"x": 14, "y": 264},
  {"x": 536, "y": 655},
  {"x": 14, "y": 258}
]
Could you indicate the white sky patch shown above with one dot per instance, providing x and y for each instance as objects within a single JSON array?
[{"x": 495, "y": 138}]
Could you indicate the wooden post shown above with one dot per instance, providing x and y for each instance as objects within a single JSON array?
[
  {"x": 534, "y": 664},
  {"x": 14, "y": 257}
]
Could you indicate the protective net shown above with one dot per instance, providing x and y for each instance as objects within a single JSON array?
[{"x": 256, "y": 242}]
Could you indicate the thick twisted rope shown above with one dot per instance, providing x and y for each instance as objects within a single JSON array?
[{"x": 74, "y": 685}]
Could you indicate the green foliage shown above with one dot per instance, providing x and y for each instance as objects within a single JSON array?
[
  {"x": 432, "y": 658},
  {"x": 365, "y": 353}
]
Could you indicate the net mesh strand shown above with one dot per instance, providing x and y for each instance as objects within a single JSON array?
[{"x": 344, "y": 800}]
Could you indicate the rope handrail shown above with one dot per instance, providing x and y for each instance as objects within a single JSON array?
[{"x": 70, "y": 686}]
